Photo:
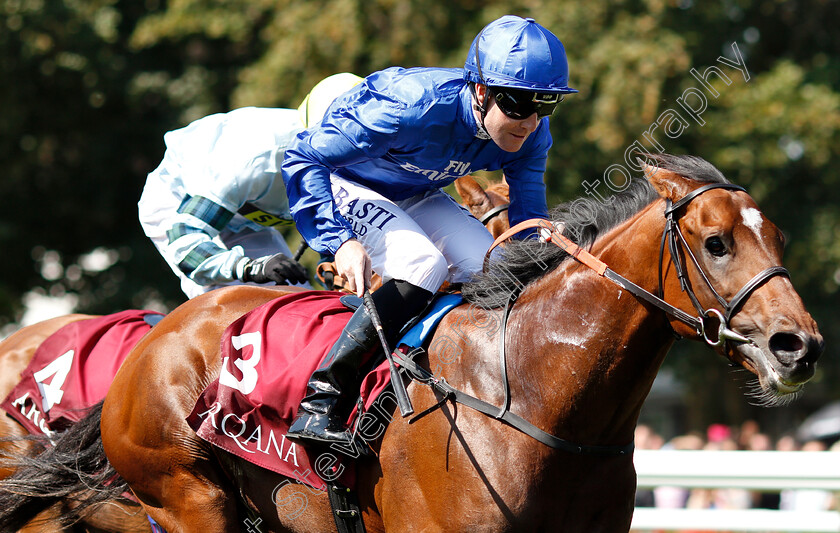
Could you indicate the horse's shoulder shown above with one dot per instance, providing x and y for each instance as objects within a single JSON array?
[{"x": 463, "y": 326}]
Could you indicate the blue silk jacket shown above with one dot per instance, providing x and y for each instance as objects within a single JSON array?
[{"x": 402, "y": 132}]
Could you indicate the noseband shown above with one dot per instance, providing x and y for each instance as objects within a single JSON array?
[
  {"x": 708, "y": 317},
  {"x": 701, "y": 324},
  {"x": 496, "y": 211}
]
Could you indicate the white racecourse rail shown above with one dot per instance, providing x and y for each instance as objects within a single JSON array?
[{"x": 764, "y": 471}]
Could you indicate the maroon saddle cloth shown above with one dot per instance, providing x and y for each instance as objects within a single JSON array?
[
  {"x": 268, "y": 356},
  {"x": 73, "y": 369}
]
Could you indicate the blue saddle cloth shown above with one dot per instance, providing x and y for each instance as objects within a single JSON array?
[{"x": 417, "y": 335}]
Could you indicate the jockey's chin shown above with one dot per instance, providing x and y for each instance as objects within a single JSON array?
[{"x": 509, "y": 134}]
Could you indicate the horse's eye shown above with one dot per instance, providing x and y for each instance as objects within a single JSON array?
[{"x": 715, "y": 246}]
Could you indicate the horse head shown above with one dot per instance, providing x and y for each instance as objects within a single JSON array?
[{"x": 724, "y": 259}]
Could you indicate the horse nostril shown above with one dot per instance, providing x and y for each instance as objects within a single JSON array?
[
  {"x": 787, "y": 347},
  {"x": 786, "y": 342},
  {"x": 791, "y": 348}
]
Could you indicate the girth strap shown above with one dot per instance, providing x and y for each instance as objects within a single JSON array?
[
  {"x": 345, "y": 508},
  {"x": 503, "y": 355}
]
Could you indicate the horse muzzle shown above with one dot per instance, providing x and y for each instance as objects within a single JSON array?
[{"x": 785, "y": 360}]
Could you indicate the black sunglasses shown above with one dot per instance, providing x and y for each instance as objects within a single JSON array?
[{"x": 519, "y": 104}]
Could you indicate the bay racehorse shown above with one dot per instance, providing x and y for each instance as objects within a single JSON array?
[
  {"x": 17, "y": 350},
  {"x": 560, "y": 352}
]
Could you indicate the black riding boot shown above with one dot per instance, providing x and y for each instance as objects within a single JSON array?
[
  {"x": 334, "y": 385},
  {"x": 327, "y": 387}
]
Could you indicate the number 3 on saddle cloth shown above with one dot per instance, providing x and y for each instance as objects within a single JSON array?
[
  {"x": 268, "y": 356},
  {"x": 73, "y": 369}
]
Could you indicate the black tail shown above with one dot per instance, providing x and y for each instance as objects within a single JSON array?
[{"x": 73, "y": 471}]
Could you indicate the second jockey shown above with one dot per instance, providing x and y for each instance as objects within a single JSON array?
[{"x": 213, "y": 206}]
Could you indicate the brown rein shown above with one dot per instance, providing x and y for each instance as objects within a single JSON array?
[{"x": 673, "y": 236}]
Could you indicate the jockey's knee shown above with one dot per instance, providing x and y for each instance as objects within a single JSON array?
[
  {"x": 427, "y": 270},
  {"x": 464, "y": 269}
]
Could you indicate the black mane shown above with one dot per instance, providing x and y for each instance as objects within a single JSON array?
[{"x": 585, "y": 219}]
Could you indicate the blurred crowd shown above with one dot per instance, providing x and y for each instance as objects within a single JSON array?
[{"x": 747, "y": 436}]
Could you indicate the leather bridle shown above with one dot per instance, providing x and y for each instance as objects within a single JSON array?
[
  {"x": 496, "y": 211},
  {"x": 704, "y": 323},
  {"x": 675, "y": 239},
  {"x": 701, "y": 324}
]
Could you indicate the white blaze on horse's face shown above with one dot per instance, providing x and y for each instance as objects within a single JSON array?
[{"x": 752, "y": 219}]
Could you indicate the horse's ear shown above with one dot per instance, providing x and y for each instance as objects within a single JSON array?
[
  {"x": 470, "y": 191},
  {"x": 667, "y": 183}
]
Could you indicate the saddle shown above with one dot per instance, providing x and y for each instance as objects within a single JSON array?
[{"x": 268, "y": 356}]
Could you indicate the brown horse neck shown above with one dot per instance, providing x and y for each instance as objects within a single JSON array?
[{"x": 600, "y": 347}]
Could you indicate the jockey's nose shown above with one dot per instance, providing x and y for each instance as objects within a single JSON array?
[{"x": 531, "y": 123}]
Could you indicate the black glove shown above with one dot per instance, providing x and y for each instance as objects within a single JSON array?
[{"x": 277, "y": 268}]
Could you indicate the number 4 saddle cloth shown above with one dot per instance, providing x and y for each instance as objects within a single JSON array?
[{"x": 73, "y": 369}]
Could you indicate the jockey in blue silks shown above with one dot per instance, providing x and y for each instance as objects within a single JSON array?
[{"x": 365, "y": 184}]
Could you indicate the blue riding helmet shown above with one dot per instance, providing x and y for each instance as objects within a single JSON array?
[{"x": 519, "y": 54}]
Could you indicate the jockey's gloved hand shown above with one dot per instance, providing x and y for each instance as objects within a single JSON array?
[{"x": 277, "y": 268}]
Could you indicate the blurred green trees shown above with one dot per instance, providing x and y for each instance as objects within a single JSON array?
[{"x": 90, "y": 86}]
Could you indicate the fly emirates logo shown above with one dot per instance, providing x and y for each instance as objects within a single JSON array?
[{"x": 453, "y": 171}]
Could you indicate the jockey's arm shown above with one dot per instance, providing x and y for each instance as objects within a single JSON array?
[
  {"x": 342, "y": 139},
  {"x": 222, "y": 162},
  {"x": 191, "y": 246}
]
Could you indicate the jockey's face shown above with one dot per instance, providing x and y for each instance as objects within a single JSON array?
[{"x": 509, "y": 134}]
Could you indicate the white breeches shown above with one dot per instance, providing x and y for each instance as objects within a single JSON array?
[{"x": 425, "y": 240}]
